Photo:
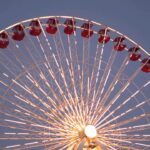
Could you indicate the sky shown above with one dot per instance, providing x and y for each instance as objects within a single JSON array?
[{"x": 130, "y": 17}]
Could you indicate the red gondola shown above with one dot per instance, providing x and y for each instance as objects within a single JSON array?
[
  {"x": 135, "y": 56},
  {"x": 18, "y": 32},
  {"x": 4, "y": 40},
  {"x": 104, "y": 37},
  {"x": 35, "y": 28},
  {"x": 134, "y": 53},
  {"x": 51, "y": 26},
  {"x": 87, "y": 31},
  {"x": 119, "y": 46},
  {"x": 146, "y": 65},
  {"x": 119, "y": 39},
  {"x": 69, "y": 29}
]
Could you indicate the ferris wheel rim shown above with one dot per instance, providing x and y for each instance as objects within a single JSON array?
[{"x": 80, "y": 19}]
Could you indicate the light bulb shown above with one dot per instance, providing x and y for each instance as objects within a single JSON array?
[{"x": 90, "y": 131}]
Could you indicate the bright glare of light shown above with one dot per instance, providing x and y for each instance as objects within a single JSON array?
[{"x": 90, "y": 131}]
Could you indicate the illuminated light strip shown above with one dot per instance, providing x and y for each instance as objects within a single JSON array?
[
  {"x": 12, "y": 146},
  {"x": 114, "y": 99},
  {"x": 142, "y": 126},
  {"x": 135, "y": 93},
  {"x": 114, "y": 82},
  {"x": 17, "y": 110},
  {"x": 56, "y": 61},
  {"x": 23, "y": 133},
  {"x": 146, "y": 83},
  {"x": 113, "y": 134},
  {"x": 6, "y": 75},
  {"x": 140, "y": 104},
  {"x": 10, "y": 133},
  {"x": 60, "y": 90},
  {"x": 133, "y": 127},
  {"x": 105, "y": 81},
  {"x": 42, "y": 47},
  {"x": 21, "y": 99},
  {"x": 36, "y": 125},
  {"x": 3, "y": 83},
  {"x": 20, "y": 85},
  {"x": 27, "y": 114},
  {"x": 146, "y": 135},
  {"x": 121, "y": 140},
  {"x": 125, "y": 103},
  {"x": 125, "y": 87},
  {"x": 44, "y": 141},
  {"x": 36, "y": 84},
  {"x": 25, "y": 100},
  {"x": 31, "y": 143},
  {"x": 133, "y": 119},
  {"x": 14, "y": 121},
  {"x": 45, "y": 127},
  {"x": 142, "y": 144}
]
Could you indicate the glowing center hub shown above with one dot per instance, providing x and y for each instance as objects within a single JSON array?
[{"x": 90, "y": 131}]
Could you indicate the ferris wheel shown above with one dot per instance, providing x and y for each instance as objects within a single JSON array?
[{"x": 75, "y": 84}]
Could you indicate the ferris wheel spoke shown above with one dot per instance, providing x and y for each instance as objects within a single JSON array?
[
  {"x": 22, "y": 108},
  {"x": 63, "y": 62},
  {"x": 34, "y": 144},
  {"x": 32, "y": 118},
  {"x": 74, "y": 64},
  {"x": 114, "y": 82},
  {"x": 26, "y": 130},
  {"x": 16, "y": 59},
  {"x": 104, "y": 79},
  {"x": 123, "y": 88},
  {"x": 111, "y": 126},
  {"x": 129, "y": 138},
  {"x": 72, "y": 44},
  {"x": 95, "y": 72},
  {"x": 25, "y": 88},
  {"x": 130, "y": 98},
  {"x": 107, "y": 143},
  {"x": 59, "y": 47},
  {"x": 131, "y": 129},
  {"x": 61, "y": 55},
  {"x": 40, "y": 71},
  {"x": 18, "y": 115},
  {"x": 34, "y": 95},
  {"x": 96, "y": 68},
  {"x": 75, "y": 73},
  {"x": 31, "y": 92},
  {"x": 116, "y": 143},
  {"x": 53, "y": 56},
  {"x": 121, "y": 143},
  {"x": 106, "y": 74},
  {"x": 123, "y": 114},
  {"x": 85, "y": 69},
  {"x": 54, "y": 114},
  {"x": 34, "y": 135},
  {"x": 101, "y": 101},
  {"x": 131, "y": 120}
]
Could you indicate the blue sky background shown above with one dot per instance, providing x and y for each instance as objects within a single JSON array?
[{"x": 131, "y": 17}]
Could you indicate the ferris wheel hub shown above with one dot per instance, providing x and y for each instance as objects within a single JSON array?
[{"x": 90, "y": 131}]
